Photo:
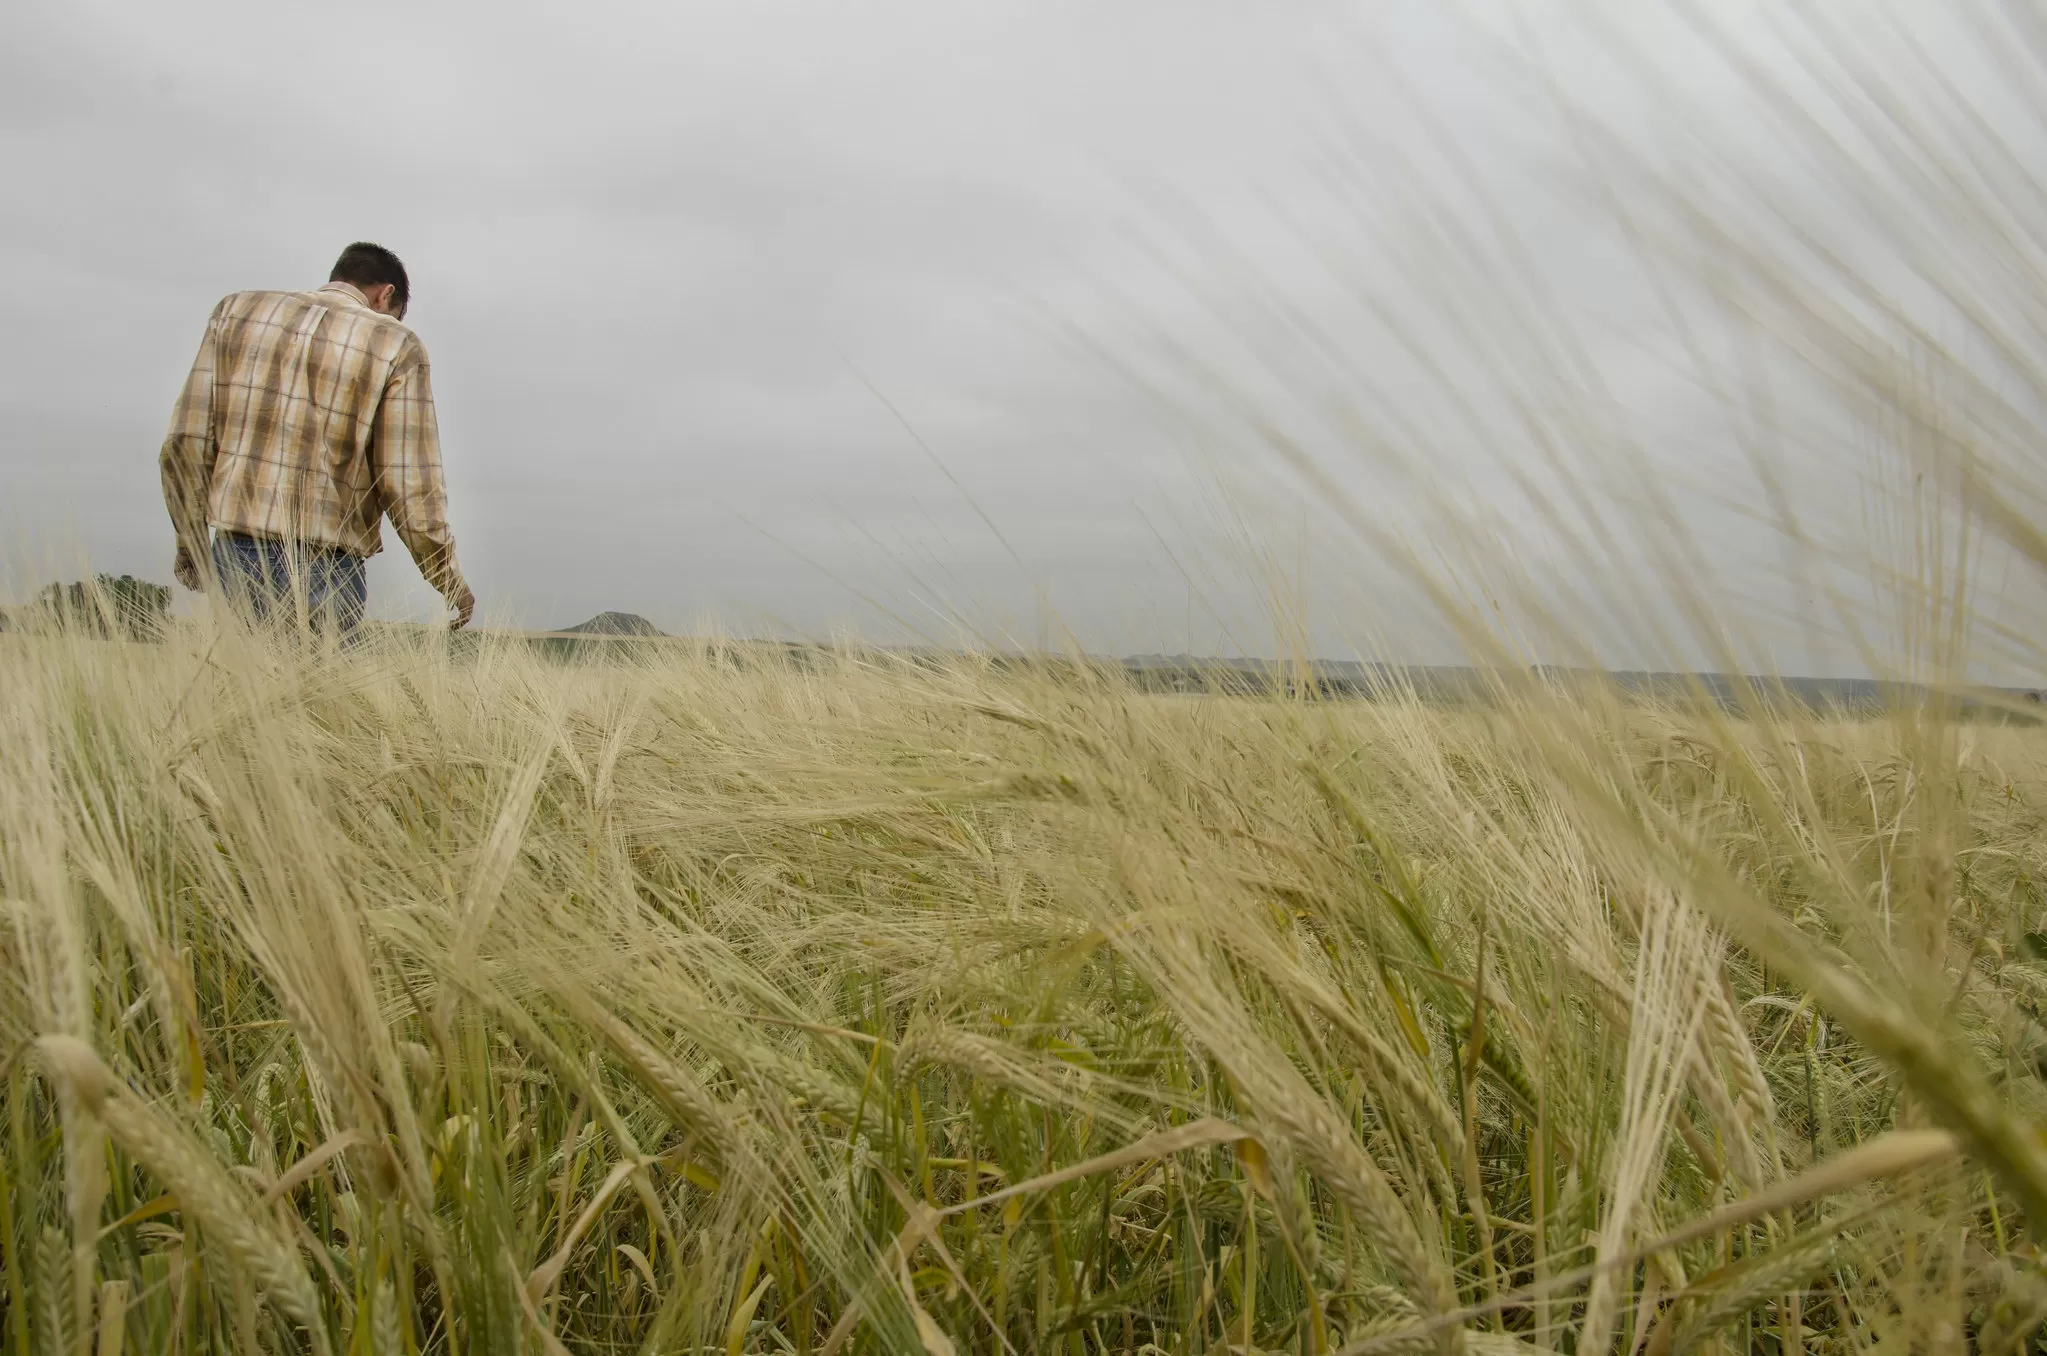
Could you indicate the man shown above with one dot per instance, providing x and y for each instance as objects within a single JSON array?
[{"x": 306, "y": 420}]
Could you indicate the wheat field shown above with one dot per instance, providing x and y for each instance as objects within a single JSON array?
[{"x": 410, "y": 1001}]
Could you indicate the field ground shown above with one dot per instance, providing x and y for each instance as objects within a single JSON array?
[{"x": 405, "y": 1003}]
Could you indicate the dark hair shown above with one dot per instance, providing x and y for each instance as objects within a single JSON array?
[{"x": 367, "y": 265}]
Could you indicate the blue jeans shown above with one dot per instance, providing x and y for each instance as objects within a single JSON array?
[{"x": 258, "y": 576}]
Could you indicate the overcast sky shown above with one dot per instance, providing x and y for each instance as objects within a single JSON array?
[{"x": 674, "y": 262}]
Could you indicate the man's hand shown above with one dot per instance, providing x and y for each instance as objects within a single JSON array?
[
  {"x": 464, "y": 603},
  {"x": 186, "y": 570}
]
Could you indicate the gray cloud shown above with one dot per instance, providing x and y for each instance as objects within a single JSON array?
[{"x": 659, "y": 250}]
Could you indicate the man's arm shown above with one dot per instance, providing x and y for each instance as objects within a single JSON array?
[
  {"x": 186, "y": 460},
  {"x": 414, "y": 494}
]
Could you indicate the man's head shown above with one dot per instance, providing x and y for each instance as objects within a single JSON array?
[{"x": 376, "y": 273}]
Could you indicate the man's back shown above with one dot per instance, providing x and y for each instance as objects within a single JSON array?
[{"x": 307, "y": 417}]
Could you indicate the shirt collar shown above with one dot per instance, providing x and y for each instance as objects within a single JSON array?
[{"x": 348, "y": 290}]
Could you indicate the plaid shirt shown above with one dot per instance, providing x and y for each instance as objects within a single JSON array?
[{"x": 307, "y": 418}]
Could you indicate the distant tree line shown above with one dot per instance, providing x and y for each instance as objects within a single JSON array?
[{"x": 111, "y": 605}]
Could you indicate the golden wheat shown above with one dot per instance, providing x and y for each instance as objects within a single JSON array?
[{"x": 648, "y": 1003}]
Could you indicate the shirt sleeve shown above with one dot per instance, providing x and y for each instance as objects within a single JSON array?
[
  {"x": 413, "y": 492},
  {"x": 187, "y": 457}
]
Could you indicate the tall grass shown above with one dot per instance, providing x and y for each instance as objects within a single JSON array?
[{"x": 405, "y": 1003}]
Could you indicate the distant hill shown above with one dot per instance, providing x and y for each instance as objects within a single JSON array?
[
  {"x": 1451, "y": 682},
  {"x": 122, "y": 606},
  {"x": 613, "y": 624}
]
